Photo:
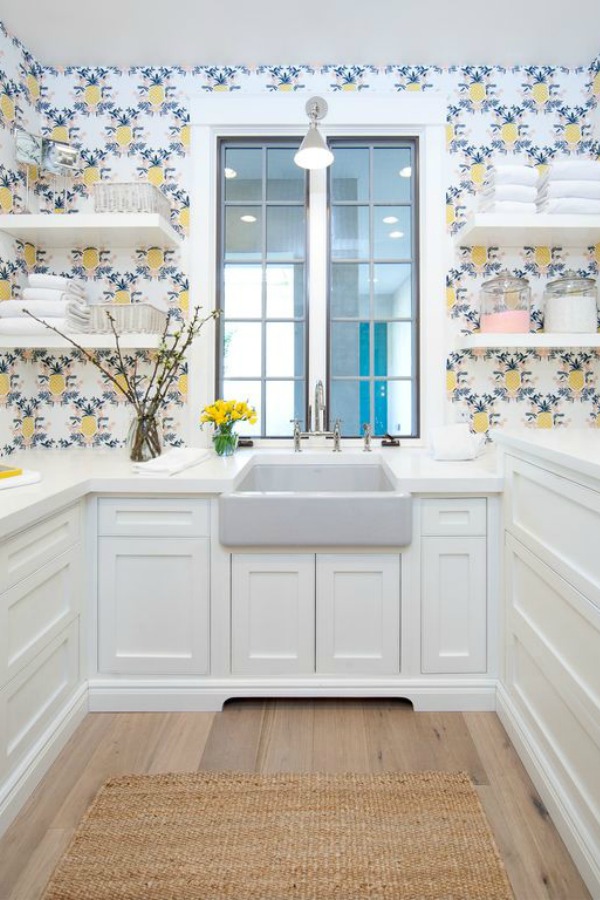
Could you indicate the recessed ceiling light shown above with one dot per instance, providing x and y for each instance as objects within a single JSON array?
[
  {"x": 390, "y": 220},
  {"x": 248, "y": 218},
  {"x": 396, "y": 234},
  {"x": 230, "y": 173},
  {"x": 406, "y": 172}
]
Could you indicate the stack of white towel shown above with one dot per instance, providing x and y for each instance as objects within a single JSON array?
[
  {"x": 510, "y": 188},
  {"x": 56, "y": 299},
  {"x": 570, "y": 186}
]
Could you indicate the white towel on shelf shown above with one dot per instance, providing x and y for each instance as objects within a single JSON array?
[
  {"x": 574, "y": 170},
  {"x": 512, "y": 173},
  {"x": 25, "y": 325},
  {"x": 173, "y": 461},
  {"x": 588, "y": 190},
  {"x": 36, "y": 295},
  {"x": 454, "y": 442},
  {"x": 522, "y": 193},
  {"x": 574, "y": 205},
  {"x": 507, "y": 206},
  {"x": 56, "y": 282},
  {"x": 11, "y": 308}
]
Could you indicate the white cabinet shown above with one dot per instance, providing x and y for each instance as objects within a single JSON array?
[
  {"x": 453, "y": 586},
  {"x": 273, "y": 614},
  {"x": 153, "y": 586},
  {"x": 358, "y": 614},
  {"x": 297, "y": 614}
]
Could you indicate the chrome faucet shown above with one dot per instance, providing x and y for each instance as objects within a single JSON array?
[
  {"x": 319, "y": 410},
  {"x": 297, "y": 435},
  {"x": 367, "y": 434},
  {"x": 337, "y": 433}
]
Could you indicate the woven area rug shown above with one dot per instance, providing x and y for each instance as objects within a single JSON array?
[{"x": 229, "y": 836}]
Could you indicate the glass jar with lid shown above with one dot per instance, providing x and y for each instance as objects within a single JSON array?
[
  {"x": 570, "y": 305},
  {"x": 505, "y": 303}
]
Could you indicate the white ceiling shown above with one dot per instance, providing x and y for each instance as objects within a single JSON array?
[{"x": 124, "y": 33}]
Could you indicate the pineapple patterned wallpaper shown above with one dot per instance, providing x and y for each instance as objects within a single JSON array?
[{"x": 133, "y": 125}]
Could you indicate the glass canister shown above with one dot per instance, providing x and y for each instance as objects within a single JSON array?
[
  {"x": 570, "y": 305},
  {"x": 505, "y": 303}
]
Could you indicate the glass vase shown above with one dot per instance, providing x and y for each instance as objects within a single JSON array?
[
  {"x": 225, "y": 442},
  {"x": 144, "y": 439}
]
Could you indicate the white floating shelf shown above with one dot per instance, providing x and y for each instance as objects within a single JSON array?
[
  {"x": 88, "y": 341},
  {"x": 531, "y": 230},
  {"x": 529, "y": 341},
  {"x": 103, "y": 230}
]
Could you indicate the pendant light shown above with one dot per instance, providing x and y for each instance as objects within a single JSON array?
[{"x": 313, "y": 152}]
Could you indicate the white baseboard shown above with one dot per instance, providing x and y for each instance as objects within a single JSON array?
[
  {"x": 585, "y": 855},
  {"x": 181, "y": 695},
  {"x": 21, "y": 783}
]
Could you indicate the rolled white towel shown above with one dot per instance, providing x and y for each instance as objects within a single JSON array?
[
  {"x": 513, "y": 173},
  {"x": 79, "y": 308},
  {"x": 11, "y": 308},
  {"x": 25, "y": 325},
  {"x": 522, "y": 193},
  {"x": 508, "y": 206},
  {"x": 574, "y": 205},
  {"x": 588, "y": 190},
  {"x": 172, "y": 461},
  {"x": 454, "y": 442},
  {"x": 574, "y": 170},
  {"x": 56, "y": 282}
]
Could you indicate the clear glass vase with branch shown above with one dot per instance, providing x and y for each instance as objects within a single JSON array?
[{"x": 147, "y": 392}]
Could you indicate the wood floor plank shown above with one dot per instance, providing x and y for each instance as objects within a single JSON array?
[
  {"x": 340, "y": 742},
  {"x": 35, "y": 875},
  {"x": 393, "y": 738},
  {"x": 535, "y": 856},
  {"x": 287, "y": 740},
  {"x": 182, "y": 742},
  {"x": 234, "y": 739}
]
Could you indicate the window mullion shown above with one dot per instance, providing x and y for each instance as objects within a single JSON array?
[{"x": 318, "y": 243}]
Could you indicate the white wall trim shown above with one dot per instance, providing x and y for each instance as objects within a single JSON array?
[{"x": 397, "y": 114}]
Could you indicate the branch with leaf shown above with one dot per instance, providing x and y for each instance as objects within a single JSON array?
[{"x": 147, "y": 393}]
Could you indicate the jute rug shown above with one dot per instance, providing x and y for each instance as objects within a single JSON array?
[{"x": 229, "y": 836}]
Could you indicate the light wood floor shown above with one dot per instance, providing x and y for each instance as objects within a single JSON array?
[{"x": 293, "y": 736}]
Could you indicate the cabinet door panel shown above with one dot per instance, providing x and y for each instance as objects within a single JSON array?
[
  {"x": 358, "y": 614},
  {"x": 273, "y": 618},
  {"x": 153, "y": 605},
  {"x": 453, "y": 604}
]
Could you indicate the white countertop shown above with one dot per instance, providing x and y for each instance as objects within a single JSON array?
[
  {"x": 576, "y": 448},
  {"x": 68, "y": 475}
]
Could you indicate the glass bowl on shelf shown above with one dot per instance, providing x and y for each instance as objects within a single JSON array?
[{"x": 505, "y": 304}]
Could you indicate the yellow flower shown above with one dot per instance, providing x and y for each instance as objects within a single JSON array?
[{"x": 226, "y": 412}]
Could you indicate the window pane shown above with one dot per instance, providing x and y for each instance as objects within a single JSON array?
[
  {"x": 349, "y": 174},
  {"x": 350, "y": 346},
  {"x": 285, "y": 180},
  {"x": 285, "y": 291},
  {"x": 350, "y": 232},
  {"x": 242, "y": 293},
  {"x": 392, "y": 239},
  {"x": 243, "y": 174},
  {"x": 250, "y": 392},
  {"x": 392, "y": 286},
  {"x": 350, "y": 402},
  {"x": 242, "y": 350},
  {"x": 285, "y": 232},
  {"x": 349, "y": 290},
  {"x": 394, "y": 406},
  {"x": 389, "y": 186},
  {"x": 393, "y": 348},
  {"x": 284, "y": 402},
  {"x": 243, "y": 230},
  {"x": 285, "y": 349}
]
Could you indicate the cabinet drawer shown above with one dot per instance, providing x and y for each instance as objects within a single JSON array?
[
  {"x": 31, "y": 701},
  {"x": 159, "y": 517},
  {"x": 29, "y": 550},
  {"x": 462, "y": 516},
  {"x": 36, "y": 609}
]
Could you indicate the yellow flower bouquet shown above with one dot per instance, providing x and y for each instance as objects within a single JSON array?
[{"x": 223, "y": 415}]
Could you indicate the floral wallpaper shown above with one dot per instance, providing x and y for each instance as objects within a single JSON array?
[{"x": 133, "y": 125}]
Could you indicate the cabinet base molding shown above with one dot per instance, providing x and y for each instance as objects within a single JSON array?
[
  {"x": 20, "y": 784},
  {"x": 449, "y": 694},
  {"x": 564, "y": 815}
]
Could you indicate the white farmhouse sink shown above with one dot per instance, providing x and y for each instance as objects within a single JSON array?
[{"x": 340, "y": 504}]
